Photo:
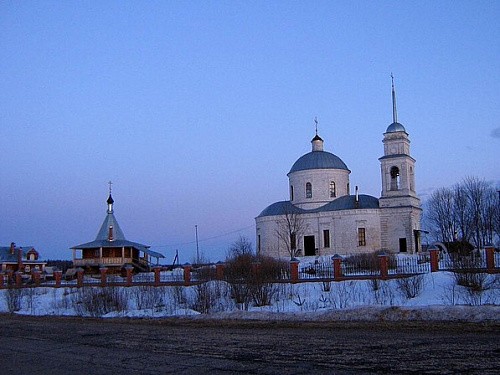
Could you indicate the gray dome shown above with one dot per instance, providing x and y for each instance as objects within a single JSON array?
[
  {"x": 395, "y": 127},
  {"x": 318, "y": 160}
]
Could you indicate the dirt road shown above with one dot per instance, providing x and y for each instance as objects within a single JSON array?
[{"x": 30, "y": 345}]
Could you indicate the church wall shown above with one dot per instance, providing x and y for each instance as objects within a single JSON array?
[
  {"x": 342, "y": 225},
  {"x": 320, "y": 180},
  {"x": 399, "y": 222}
]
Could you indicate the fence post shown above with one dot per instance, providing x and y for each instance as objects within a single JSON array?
[
  {"x": 219, "y": 270},
  {"x": 10, "y": 277},
  {"x": 294, "y": 270},
  {"x": 58, "y": 277},
  {"x": 36, "y": 277},
  {"x": 434, "y": 255},
  {"x": 490, "y": 257},
  {"x": 255, "y": 268},
  {"x": 19, "y": 278},
  {"x": 187, "y": 274},
  {"x": 337, "y": 267},
  {"x": 384, "y": 266},
  {"x": 156, "y": 270},
  {"x": 103, "y": 271},
  {"x": 79, "y": 277},
  {"x": 129, "y": 269}
]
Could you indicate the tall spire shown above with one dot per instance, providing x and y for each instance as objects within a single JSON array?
[{"x": 394, "y": 112}]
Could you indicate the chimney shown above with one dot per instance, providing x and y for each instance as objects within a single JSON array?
[
  {"x": 12, "y": 248},
  {"x": 19, "y": 259},
  {"x": 356, "y": 199}
]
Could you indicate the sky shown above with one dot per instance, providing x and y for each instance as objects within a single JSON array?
[{"x": 197, "y": 110}]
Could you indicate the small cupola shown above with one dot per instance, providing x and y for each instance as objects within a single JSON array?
[
  {"x": 317, "y": 143},
  {"x": 110, "y": 202}
]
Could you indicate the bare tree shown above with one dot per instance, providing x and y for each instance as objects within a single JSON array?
[
  {"x": 242, "y": 246},
  {"x": 290, "y": 229},
  {"x": 469, "y": 211}
]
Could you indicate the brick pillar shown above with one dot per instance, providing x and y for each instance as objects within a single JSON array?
[
  {"x": 255, "y": 268},
  {"x": 58, "y": 277},
  {"x": 1, "y": 280},
  {"x": 19, "y": 278},
  {"x": 337, "y": 267},
  {"x": 79, "y": 277},
  {"x": 129, "y": 269},
  {"x": 36, "y": 277},
  {"x": 384, "y": 266},
  {"x": 157, "y": 270},
  {"x": 434, "y": 255},
  {"x": 219, "y": 271},
  {"x": 9, "y": 274},
  {"x": 103, "y": 271},
  {"x": 294, "y": 270},
  {"x": 490, "y": 257},
  {"x": 187, "y": 274}
]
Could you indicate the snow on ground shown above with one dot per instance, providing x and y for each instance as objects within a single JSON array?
[{"x": 438, "y": 298}]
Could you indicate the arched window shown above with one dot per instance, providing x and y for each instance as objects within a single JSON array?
[
  {"x": 394, "y": 178},
  {"x": 309, "y": 190},
  {"x": 333, "y": 193}
]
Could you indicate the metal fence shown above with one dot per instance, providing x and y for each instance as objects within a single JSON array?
[{"x": 453, "y": 262}]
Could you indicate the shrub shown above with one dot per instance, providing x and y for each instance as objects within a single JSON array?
[
  {"x": 410, "y": 287},
  {"x": 206, "y": 297},
  {"x": 97, "y": 301}
]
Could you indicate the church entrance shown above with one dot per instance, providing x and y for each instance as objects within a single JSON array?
[{"x": 309, "y": 246}]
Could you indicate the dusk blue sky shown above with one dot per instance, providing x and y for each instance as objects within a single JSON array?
[{"x": 196, "y": 110}]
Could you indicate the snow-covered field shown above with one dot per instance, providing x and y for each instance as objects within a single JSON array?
[{"x": 433, "y": 296}]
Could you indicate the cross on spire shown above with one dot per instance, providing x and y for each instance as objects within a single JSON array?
[
  {"x": 110, "y": 183},
  {"x": 316, "y": 121}
]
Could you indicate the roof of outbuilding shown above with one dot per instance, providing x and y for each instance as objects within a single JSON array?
[
  {"x": 6, "y": 256},
  {"x": 117, "y": 238},
  {"x": 346, "y": 202},
  {"x": 118, "y": 243},
  {"x": 318, "y": 160}
]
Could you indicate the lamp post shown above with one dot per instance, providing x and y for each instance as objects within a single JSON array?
[{"x": 197, "y": 248}]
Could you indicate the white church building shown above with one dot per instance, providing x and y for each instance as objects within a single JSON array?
[{"x": 323, "y": 218}]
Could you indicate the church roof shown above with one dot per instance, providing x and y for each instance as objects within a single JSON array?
[
  {"x": 346, "y": 202},
  {"x": 318, "y": 160}
]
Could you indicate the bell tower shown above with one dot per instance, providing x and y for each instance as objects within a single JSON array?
[{"x": 399, "y": 203}]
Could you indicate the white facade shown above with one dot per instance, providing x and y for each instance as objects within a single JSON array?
[{"x": 322, "y": 218}]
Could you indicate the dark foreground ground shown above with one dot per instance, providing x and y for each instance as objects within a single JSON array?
[{"x": 31, "y": 345}]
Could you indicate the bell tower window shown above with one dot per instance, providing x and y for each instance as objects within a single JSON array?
[
  {"x": 394, "y": 178},
  {"x": 333, "y": 193},
  {"x": 291, "y": 192}
]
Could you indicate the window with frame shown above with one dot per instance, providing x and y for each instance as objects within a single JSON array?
[
  {"x": 333, "y": 193},
  {"x": 309, "y": 190},
  {"x": 326, "y": 238},
  {"x": 361, "y": 237}
]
